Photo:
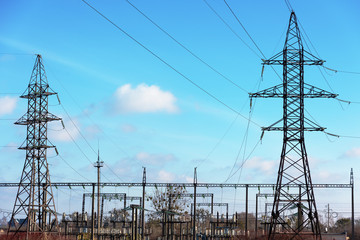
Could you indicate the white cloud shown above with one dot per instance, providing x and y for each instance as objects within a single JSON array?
[
  {"x": 352, "y": 153},
  {"x": 64, "y": 134},
  {"x": 128, "y": 128},
  {"x": 7, "y": 57},
  {"x": 264, "y": 166},
  {"x": 93, "y": 131},
  {"x": 325, "y": 176},
  {"x": 154, "y": 159},
  {"x": 7, "y": 105},
  {"x": 143, "y": 99},
  {"x": 165, "y": 176}
]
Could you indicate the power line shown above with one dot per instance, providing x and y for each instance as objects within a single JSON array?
[
  {"x": 166, "y": 63},
  {"x": 312, "y": 45},
  {"x": 78, "y": 105},
  {"x": 340, "y": 71},
  {"x": 238, "y": 20},
  {"x": 77, "y": 145},
  {"x": 291, "y": 9},
  {"x": 73, "y": 168},
  {"x": 231, "y": 29},
  {"x": 19, "y": 54},
  {"x": 247, "y": 158},
  {"x": 327, "y": 82},
  {"x": 245, "y": 139},
  {"x": 244, "y": 142},
  {"x": 340, "y": 136},
  {"x": 87, "y": 142},
  {"x": 219, "y": 141},
  {"x": 257, "y": 86},
  {"x": 288, "y": 5},
  {"x": 184, "y": 47},
  {"x": 244, "y": 28}
]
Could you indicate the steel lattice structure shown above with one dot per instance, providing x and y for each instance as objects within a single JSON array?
[
  {"x": 34, "y": 201},
  {"x": 294, "y": 166}
]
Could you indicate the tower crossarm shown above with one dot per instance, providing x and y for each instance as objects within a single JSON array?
[
  {"x": 308, "y": 59},
  {"x": 27, "y": 119},
  {"x": 309, "y": 126},
  {"x": 309, "y": 92}
]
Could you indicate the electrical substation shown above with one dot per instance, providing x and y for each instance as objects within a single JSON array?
[{"x": 107, "y": 210}]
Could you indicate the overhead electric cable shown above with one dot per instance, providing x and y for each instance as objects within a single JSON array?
[
  {"x": 247, "y": 158},
  {"x": 244, "y": 142},
  {"x": 341, "y": 136},
  {"x": 73, "y": 168},
  {"x": 87, "y": 158},
  {"x": 77, "y": 128},
  {"x": 238, "y": 20},
  {"x": 313, "y": 47},
  {"x": 77, "y": 145},
  {"x": 166, "y": 63},
  {"x": 188, "y": 50},
  {"x": 18, "y": 54},
  {"x": 87, "y": 142},
  {"x": 80, "y": 108},
  {"x": 244, "y": 28},
  {"x": 340, "y": 71},
  {"x": 257, "y": 86},
  {"x": 231, "y": 29},
  {"x": 351, "y": 72},
  {"x": 288, "y": 5},
  {"x": 218, "y": 142}
]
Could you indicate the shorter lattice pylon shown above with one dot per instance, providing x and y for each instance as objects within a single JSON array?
[{"x": 34, "y": 208}]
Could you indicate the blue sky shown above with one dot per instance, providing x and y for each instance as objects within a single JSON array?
[{"x": 143, "y": 113}]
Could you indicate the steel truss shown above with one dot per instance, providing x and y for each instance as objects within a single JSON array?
[
  {"x": 294, "y": 166},
  {"x": 34, "y": 200},
  {"x": 187, "y": 185}
]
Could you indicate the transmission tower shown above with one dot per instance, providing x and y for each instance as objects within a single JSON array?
[
  {"x": 294, "y": 166},
  {"x": 34, "y": 208}
]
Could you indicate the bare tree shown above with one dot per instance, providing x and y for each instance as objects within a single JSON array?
[{"x": 169, "y": 199}]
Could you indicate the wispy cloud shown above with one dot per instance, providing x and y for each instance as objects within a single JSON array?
[
  {"x": 154, "y": 159},
  {"x": 352, "y": 153},
  {"x": 56, "y": 57},
  {"x": 128, "y": 128},
  {"x": 7, "y": 105},
  {"x": 261, "y": 165},
  {"x": 7, "y": 57},
  {"x": 165, "y": 176},
  {"x": 143, "y": 99},
  {"x": 65, "y": 135}
]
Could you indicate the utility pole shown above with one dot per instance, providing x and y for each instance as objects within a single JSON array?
[
  {"x": 352, "y": 204},
  {"x": 294, "y": 166},
  {"x": 98, "y": 164},
  {"x": 328, "y": 218},
  {"x": 92, "y": 212},
  {"x": 194, "y": 220},
  {"x": 35, "y": 198},
  {"x": 143, "y": 205}
]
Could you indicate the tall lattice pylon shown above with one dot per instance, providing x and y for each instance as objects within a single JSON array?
[
  {"x": 34, "y": 208},
  {"x": 294, "y": 166}
]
